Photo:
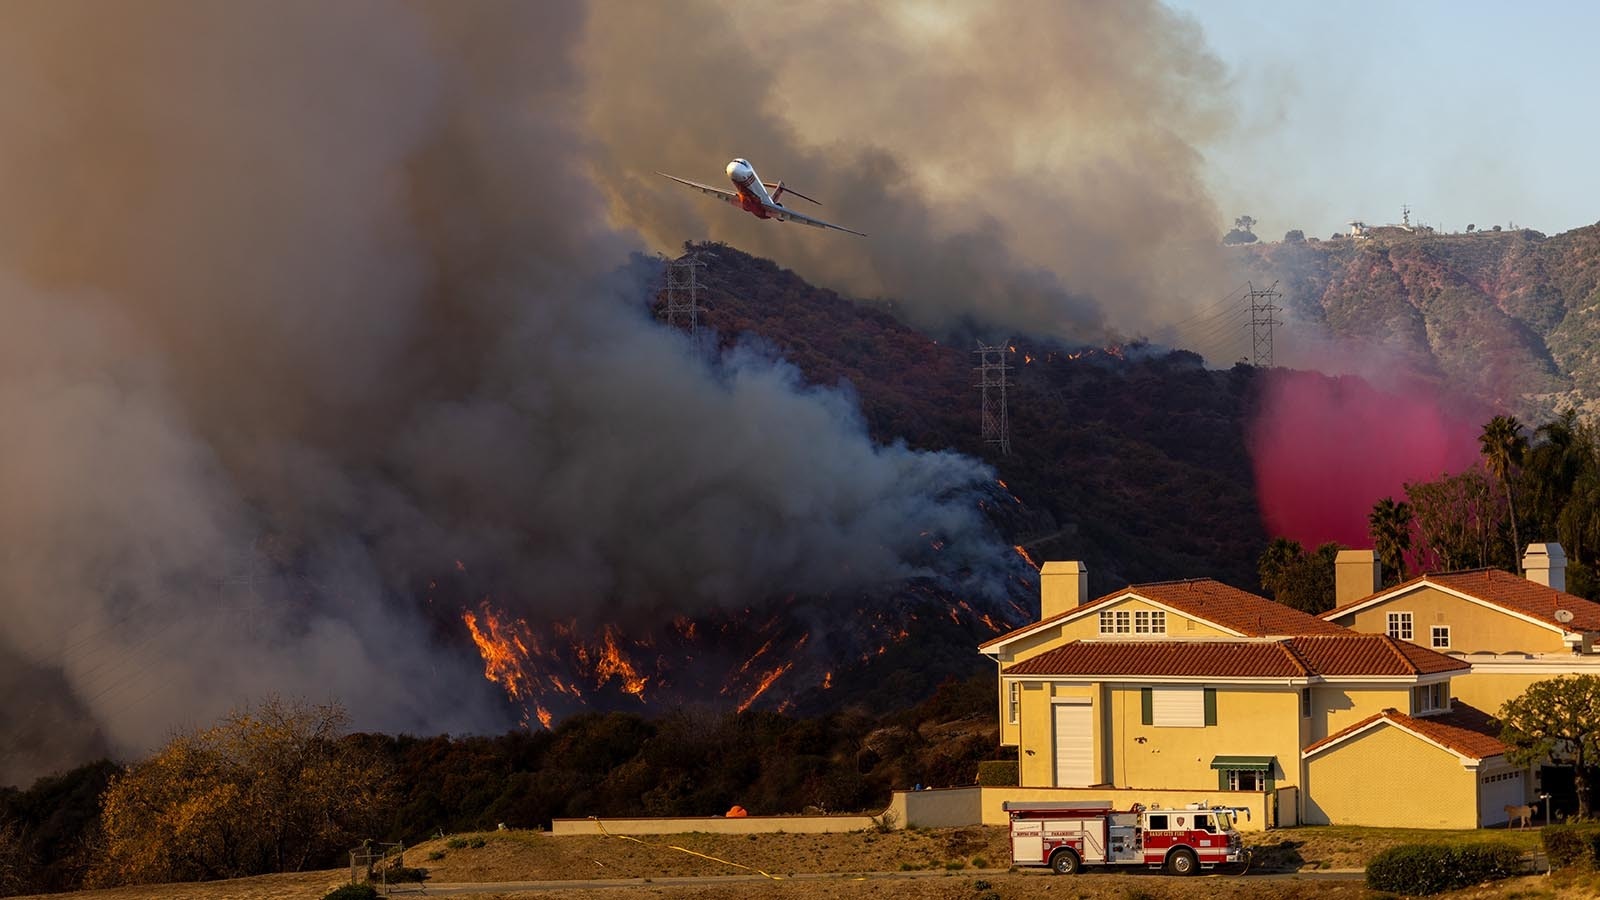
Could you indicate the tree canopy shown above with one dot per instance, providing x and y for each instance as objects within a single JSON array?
[
  {"x": 1557, "y": 720},
  {"x": 1297, "y": 579}
]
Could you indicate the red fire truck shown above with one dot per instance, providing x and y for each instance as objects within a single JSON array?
[{"x": 1068, "y": 836}]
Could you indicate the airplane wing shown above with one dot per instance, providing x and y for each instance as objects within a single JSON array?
[
  {"x": 787, "y": 213},
  {"x": 726, "y": 196}
]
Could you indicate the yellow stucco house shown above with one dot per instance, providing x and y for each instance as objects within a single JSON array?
[
  {"x": 1512, "y": 630},
  {"x": 1195, "y": 685}
]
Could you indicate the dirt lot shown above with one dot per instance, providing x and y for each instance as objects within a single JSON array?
[{"x": 937, "y": 864}]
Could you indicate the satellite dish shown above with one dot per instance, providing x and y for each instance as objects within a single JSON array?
[{"x": 1563, "y": 616}]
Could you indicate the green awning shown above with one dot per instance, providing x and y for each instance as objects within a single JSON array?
[{"x": 1243, "y": 762}]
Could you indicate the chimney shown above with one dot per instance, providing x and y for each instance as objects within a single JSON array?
[
  {"x": 1062, "y": 586},
  {"x": 1546, "y": 564},
  {"x": 1356, "y": 574}
]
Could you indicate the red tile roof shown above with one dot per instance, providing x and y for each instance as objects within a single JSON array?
[
  {"x": 1346, "y": 654},
  {"x": 1371, "y": 654},
  {"x": 1209, "y": 600},
  {"x": 1497, "y": 587},
  {"x": 1464, "y": 729}
]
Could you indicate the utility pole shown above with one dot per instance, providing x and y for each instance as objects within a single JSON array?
[
  {"x": 1262, "y": 322},
  {"x": 994, "y": 376}
]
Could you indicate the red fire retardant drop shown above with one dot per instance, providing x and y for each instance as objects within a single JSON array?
[{"x": 1325, "y": 449}]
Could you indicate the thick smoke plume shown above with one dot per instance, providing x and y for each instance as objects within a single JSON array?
[
  {"x": 306, "y": 304},
  {"x": 1028, "y": 166}
]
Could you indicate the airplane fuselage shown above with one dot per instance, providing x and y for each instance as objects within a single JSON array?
[{"x": 753, "y": 196}]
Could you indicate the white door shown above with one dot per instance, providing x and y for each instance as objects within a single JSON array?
[{"x": 1074, "y": 744}]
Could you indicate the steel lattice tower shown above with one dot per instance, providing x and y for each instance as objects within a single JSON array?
[
  {"x": 683, "y": 293},
  {"x": 994, "y": 376},
  {"x": 1262, "y": 307}
]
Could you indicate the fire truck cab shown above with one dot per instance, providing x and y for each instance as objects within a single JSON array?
[{"x": 1068, "y": 836}]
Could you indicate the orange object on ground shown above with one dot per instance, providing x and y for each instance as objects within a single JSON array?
[{"x": 737, "y": 812}]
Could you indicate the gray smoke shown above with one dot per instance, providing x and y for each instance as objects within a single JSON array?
[
  {"x": 1023, "y": 166},
  {"x": 307, "y": 303}
]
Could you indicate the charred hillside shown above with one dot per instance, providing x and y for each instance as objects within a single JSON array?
[
  {"x": 1131, "y": 459},
  {"x": 1510, "y": 317}
]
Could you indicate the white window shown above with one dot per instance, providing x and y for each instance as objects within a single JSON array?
[
  {"x": 1305, "y": 708},
  {"x": 1014, "y": 705},
  {"x": 1115, "y": 622},
  {"x": 1178, "y": 707},
  {"x": 1246, "y": 780},
  {"x": 1400, "y": 626},
  {"x": 1150, "y": 621},
  {"x": 1441, "y": 637},
  {"x": 1427, "y": 698}
]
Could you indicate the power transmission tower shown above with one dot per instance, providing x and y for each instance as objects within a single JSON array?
[
  {"x": 683, "y": 293},
  {"x": 1262, "y": 322},
  {"x": 994, "y": 376}
]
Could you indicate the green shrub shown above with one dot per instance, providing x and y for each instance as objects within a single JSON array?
[
  {"x": 980, "y": 862},
  {"x": 1570, "y": 845},
  {"x": 435, "y": 856},
  {"x": 955, "y": 864},
  {"x": 998, "y": 773},
  {"x": 401, "y": 874},
  {"x": 464, "y": 843},
  {"x": 352, "y": 892},
  {"x": 1423, "y": 869}
]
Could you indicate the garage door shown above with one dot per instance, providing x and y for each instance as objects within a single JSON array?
[
  {"x": 1496, "y": 791},
  {"x": 1074, "y": 744}
]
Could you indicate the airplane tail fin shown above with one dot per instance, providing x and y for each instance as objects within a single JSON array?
[{"x": 779, "y": 189}]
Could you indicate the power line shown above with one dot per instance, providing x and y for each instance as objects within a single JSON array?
[{"x": 1262, "y": 322}]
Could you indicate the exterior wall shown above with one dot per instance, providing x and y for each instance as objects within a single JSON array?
[
  {"x": 1087, "y": 627},
  {"x": 1473, "y": 628},
  {"x": 1335, "y": 707},
  {"x": 1036, "y": 757},
  {"x": 1251, "y": 721},
  {"x": 1388, "y": 777},
  {"x": 713, "y": 825},
  {"x": 950, "y": 807},
  {"x": 1492, "y": 683}
]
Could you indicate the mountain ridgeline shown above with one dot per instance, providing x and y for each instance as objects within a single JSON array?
[
  {"x": 1509, "y": 317},
  {"x": 1128, "y": 458}
]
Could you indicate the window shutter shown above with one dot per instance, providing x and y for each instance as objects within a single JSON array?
[
  {"x": 1147, "y": 706},
  {"x": 1222, "y": 779},
  {"x": 1211, "y": 706}
]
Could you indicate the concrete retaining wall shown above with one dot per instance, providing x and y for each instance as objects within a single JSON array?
[{"x": 713, "y": 825}]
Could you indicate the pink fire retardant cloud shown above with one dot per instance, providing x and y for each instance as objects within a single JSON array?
[{"x": 1326, "y": 448}]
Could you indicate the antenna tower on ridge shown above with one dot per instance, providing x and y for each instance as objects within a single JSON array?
[
  {"x": 994, "y": 376},
  {"x": 1262, "y": 307},
  {"x": 683, "y": 293}
]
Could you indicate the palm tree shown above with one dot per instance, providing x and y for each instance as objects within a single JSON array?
[
  {"x": 1503, "y": 446},
  {"x": 1390, "y": 527}
]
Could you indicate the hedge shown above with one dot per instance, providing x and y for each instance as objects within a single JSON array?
[
  {"x": 998, "y": 773},
  {"x": 1422, "y": 869},
  {"x": 1568, "y": 845}
]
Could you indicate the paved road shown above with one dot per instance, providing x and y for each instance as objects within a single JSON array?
[{"x": 441, "y": 889}]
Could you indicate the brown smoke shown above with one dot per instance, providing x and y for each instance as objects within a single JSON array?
[{"x": 1023, "y": 165}]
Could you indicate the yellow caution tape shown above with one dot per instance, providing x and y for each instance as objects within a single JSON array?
[{"x": 625, "y": 837}]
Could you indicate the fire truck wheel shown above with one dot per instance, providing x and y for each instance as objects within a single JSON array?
[
  {"x": 1182, "y": 862},
  {"x": 1065, "y": 862}
]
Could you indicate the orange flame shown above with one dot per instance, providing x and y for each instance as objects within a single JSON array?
[
  {"x": 1023, "y": 552},
  {"x": 827, "y": 681},
  {"x": 613, "y": 663},
  {"x": 502, "y": 649},
  {"x": 766, "y": 682}
]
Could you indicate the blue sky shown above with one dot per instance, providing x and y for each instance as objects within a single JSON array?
[{"x": 1471, "y": 112}]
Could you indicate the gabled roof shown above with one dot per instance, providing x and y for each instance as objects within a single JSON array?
[
  {"x": 1340, "y": 655},
  {"x": 1497, "y": 588},
  {"x": 1464, "y": 730},
  {"x": 1206, "y": 599}
]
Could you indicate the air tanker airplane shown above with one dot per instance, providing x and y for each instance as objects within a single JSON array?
[{"x": 752, "y": 196}]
